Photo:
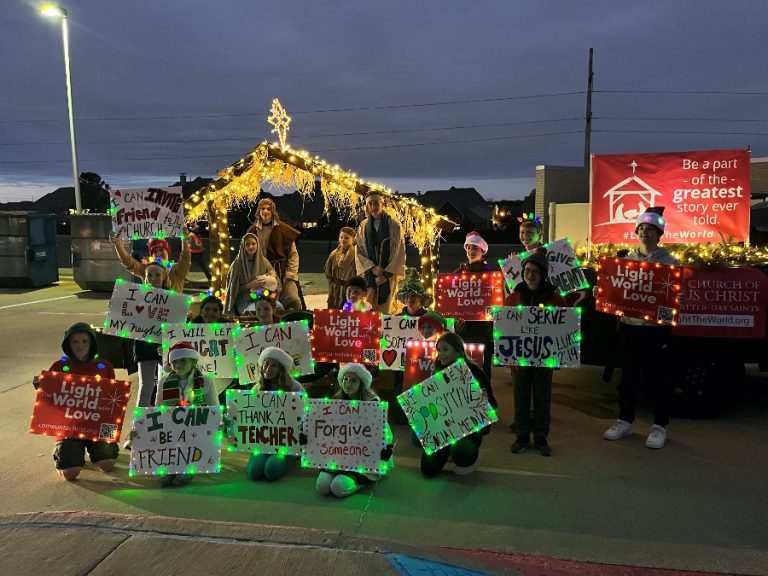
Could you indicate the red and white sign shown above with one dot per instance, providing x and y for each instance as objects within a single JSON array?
[
  {"x": 705, "y": 195},
  {"x": 76, "y": 406},
  {"x": 341, "y": 336},
  {"x": 644, "y": 290},
  {"x": 420, "y": 358},
  {"x": 468, "y": 296},
  {"x": 724, "y": 303}
]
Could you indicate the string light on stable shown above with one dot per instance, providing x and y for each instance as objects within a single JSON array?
[{"x": 240, "y": 184}]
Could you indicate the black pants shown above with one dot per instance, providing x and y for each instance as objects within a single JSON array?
[
  {"x": 532, "y": 384},
  {"x": 646, "y": 362},
  {"x": 201, "y": 261},
  {"x": 463, "y": 453}
]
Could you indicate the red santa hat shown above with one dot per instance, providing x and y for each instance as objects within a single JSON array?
[
  {"x": 474, "y": 239},
  {"x": 182, "y": 350},
  {"x": 156, "y": 243}
]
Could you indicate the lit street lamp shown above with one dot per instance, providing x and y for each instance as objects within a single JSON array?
[{"x": 59, "y": 12}]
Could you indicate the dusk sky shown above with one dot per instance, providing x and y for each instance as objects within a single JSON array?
[{"x": 417, "y": 94}]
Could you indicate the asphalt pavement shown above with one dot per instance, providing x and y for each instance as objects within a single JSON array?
[{"x": 594, "y": 507}]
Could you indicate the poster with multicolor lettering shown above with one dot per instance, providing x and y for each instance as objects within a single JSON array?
[
  {"x": 75, "y": 406},
  {"x": 176, "y": 440},
  {"x": 547, "y": 336},
  {"x": 266, "y": 422},
  {"x": 292, "y": 337},
  {"x": 339, "y": 336},
  {"x": 396, "y": 332},
  {"x": 447, "y": 407},
  {"x": 148, "y": 212},
  {"x": 139, "y": 311},
  {"x": 564, "y": 272},
  {"x": 215, "y": 343},
  {"x": 346, "y": 435}
]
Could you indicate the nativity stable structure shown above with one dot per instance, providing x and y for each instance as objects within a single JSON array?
[{"x": 281, "y": 166}]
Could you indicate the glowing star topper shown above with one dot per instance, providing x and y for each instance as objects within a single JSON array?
[{"x": 280, "y": 120}]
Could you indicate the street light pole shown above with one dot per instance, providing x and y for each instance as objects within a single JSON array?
[{"x": 58, "y": 11}]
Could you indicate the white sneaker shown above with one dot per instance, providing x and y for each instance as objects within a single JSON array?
[
  {"x": 657, "y": 438},
  {"x": 464, "y": 470},
  {"x": 619, "y": 429}
]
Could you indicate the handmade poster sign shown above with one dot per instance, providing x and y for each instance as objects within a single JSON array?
[
  {"x": 75, "y": 406},
  {"x": 148, "y": 212},
  {"x": 345, "y": 435},
  {"x": 564, "y": 272},
  {"x": 396, "y": 332},
  {"x": 341, "y": 336},
  {"x": 705, "y": 193},
  {"x": 537, "y": 336},
  {"x": 724, "y": 303},
  {"x": 635, "y": 289},
  {"x": 176, "y": 440},
  {"x": 420, "y": 359},
  {"x": 292, "y": 337},
  {"x": 266, "y": 422},
  {"x": 468, "y": 296},
  {"x": 214, "y": 342},
  {"x": 139, "y": 312},
  {"x": 447, "y": 407}
]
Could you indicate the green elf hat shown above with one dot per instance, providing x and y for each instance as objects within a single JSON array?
[{"x": 413, "y": 284}]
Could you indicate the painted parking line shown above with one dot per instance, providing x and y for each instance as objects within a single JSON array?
[{"x": 35, "y": 302}]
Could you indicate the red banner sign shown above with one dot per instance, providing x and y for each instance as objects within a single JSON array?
[
  {"x": 467, "y": 296},
  {"x": 340, "y": 336},
  {"x": 644, "y": 290},
  {"x": 420, "y": 359},
  {"x": 706, "y": 195},
  {"x": 724, "y": 303},
  {"x": 75, "y": 406}
]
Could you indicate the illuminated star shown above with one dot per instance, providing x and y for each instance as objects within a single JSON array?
[{"x": 280, "y": 120}]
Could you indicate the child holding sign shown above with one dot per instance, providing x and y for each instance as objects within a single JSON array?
[
  {"x": 81, "y": 357},
  {"x": 466, "y": 452},
  {"x": 147, "y": 354},
  {"x": 533, "y": 382},
  {"x": 645, "y": 345},
  {"x": 273, "y": 373},
  {"x": 354, "y": 384},
  {"x": 185, "y": 385},
  {"x": 356, "y": 292}
]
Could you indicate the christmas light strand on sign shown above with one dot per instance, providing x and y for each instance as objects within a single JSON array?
[
  {"x": 690, "y": 255},
  {"x": 283, "y": 167},
  {"x": 468, "y": 295},
  {"x": 639, "y": 289}
]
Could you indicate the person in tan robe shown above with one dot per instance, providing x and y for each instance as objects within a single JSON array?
[{"x": 340, "y": 267}]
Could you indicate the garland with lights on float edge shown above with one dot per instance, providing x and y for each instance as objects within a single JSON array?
[{"x": 283, "y": 167}]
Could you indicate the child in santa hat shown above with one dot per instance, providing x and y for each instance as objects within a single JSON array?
[
  {"x": 354, "y": 384},
  {"x": 273, "y": 373},
  {"x": 185, "y": 385},
  {"x": 477, "y": 331},
  {"x": 645, "y": 345}
]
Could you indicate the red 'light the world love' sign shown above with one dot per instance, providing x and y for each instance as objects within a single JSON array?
[
  {"x": 705, "y": 195},
  {"x": 76, "y": 406},
  {"x": 468, "y": 296},
  {"x": 644, "y": 290},
  {"x": 340, "y": 336}
]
